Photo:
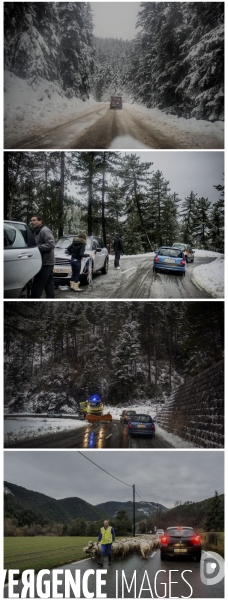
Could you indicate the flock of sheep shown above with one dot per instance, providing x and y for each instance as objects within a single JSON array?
[{"x": 142, "y": 544}]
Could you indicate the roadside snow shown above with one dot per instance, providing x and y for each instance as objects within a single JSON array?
[
  {"x": 17, "y": 429},
  {"x": 211, "y": 278},
  {"x": 42, "y": 104},
  {"x": 195, "y": 133}
]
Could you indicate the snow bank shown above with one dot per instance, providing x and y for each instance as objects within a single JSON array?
[
  {"x": 211, "y": 277},
  {"x": 193, "y": 133},
  {"x": 19, "y": 429},
  {"x": 30, "y": 107}
]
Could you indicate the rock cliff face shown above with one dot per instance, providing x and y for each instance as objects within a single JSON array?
[{"x": 195, "y": 410}]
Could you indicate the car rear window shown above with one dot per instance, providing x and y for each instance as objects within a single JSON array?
[
  {"x": 173, "y": 252},
  {"x": 180, "y": 532},
  {"x": 142, "y": 419}
]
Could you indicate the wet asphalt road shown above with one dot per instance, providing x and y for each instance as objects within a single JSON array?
[
  {"x": 94, "y": 435},
  {"x": 175, "y": 578}
]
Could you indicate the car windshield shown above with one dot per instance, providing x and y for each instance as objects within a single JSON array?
[
  {"x": 64, "y": 242},
  {"x": 181, "y": 246},
  {"x": 142, "y": 419},
  {"x": 173, "y": 252},
  {"x": 180, "y": 532}
]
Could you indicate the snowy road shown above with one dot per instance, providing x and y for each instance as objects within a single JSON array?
[
  {"x": 96, "y": 127},
  {"x": 97, "y": 435},
  {"x": 136, "y": 279}
]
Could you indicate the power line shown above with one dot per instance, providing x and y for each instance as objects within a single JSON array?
[{"x": 104, "y": 469}]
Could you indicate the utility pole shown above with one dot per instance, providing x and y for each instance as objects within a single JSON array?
[{"x": 133, "y": 510}]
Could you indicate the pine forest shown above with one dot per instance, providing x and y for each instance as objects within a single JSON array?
[{"x": 175, "y": 61}]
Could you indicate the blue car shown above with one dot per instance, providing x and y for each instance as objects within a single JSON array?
[
  {"x": 141, "y": 425},
  {"x": 168, "y": 258}
]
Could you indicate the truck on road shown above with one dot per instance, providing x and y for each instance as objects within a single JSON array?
[{"x": 116, "y": 102}]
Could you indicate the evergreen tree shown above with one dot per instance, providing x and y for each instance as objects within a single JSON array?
[{"x": 215, "y": 515}]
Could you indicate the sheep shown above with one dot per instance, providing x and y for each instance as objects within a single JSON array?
[{"x": 145, "y": 549}]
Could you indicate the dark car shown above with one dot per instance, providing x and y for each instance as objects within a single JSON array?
[
  {"x": 187, "y": 249},
  {"x": 126, "y": 415},
  {"x": 141, "y": 425},
  {"x": 178, "y": 541},
  {"x": 168, "y": 258}
]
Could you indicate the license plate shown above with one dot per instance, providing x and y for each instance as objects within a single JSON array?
[
  {"x": 60, "y": 270},
  {"x": 170, "y": 260},
  {"x": 180, "y": 550},
  {"x": 141, "y": 426}
]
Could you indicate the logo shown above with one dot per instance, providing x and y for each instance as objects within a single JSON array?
[{"x": 212, "y": 568}]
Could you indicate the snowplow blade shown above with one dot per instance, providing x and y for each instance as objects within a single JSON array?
[{"x": 92, "y": 418}]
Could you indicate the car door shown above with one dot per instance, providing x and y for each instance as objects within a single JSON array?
[{"x": 22, "y": 258}]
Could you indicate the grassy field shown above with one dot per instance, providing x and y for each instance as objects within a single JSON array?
[{"x": 42, "y": 552}]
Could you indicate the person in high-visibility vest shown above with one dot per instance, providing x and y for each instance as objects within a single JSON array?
[{"x": 106, "y": 537}]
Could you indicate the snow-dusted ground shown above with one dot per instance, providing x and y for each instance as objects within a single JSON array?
[
  {"x": 43, "y": 104},
  {"x": 17, "y": 429}
]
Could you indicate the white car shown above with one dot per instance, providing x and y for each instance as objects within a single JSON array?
[
  {"x": 22, "y": 259},
  {"x": 96, "y": 253}
]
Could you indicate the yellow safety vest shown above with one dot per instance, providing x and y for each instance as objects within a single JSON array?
[{"x": 106, "y": 535}]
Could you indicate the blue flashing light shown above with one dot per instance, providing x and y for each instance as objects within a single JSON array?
[{"x": 94, "y": 399}]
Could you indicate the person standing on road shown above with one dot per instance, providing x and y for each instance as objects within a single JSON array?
[
  {"x": 106, "y": 537},
  {"x": 76, "y": 249},
  {"x": 118, "y": 249},
  {"x": 45, "y": 241}
]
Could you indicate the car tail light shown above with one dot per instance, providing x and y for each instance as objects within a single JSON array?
[
  {"x": 196, "y": 539},
  {"x": 156, "y": 259},
  {"x": 164, "y": 539},
  {"x": 130, "y": 425},
  {"x": 152, "y": 426},
  {"x": 183, "y": 262}
]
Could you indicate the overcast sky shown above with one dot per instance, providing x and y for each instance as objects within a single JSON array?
[
  {"x": 115, "y": 19},
  {"x": 159, "y": 476},
  {"x": 189, "y": 171}
]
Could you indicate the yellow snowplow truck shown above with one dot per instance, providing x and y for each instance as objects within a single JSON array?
[{"x": 92, "y": 409}]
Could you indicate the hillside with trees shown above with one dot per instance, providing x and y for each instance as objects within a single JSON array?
[
  {"x": 58, "y": 353},
  {"x": 207, "y": 515}
]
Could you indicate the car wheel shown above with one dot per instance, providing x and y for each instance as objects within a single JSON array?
[
  {"x": 104, "y": 269},
  {"x": 26, "y": 291},
  {"x": 162, "y": 555},
  {"x": 88, "y": 277}
]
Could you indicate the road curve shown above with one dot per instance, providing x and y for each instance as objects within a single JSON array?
[
  {"x": 89, "y": 436},
  {"x": 136, "y": 279}
]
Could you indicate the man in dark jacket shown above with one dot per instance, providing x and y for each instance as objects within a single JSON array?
[
  {"x": 118, "y": 249},
  {"x": 76, "y": 249},
  {"x": 46, "y": 244}
]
